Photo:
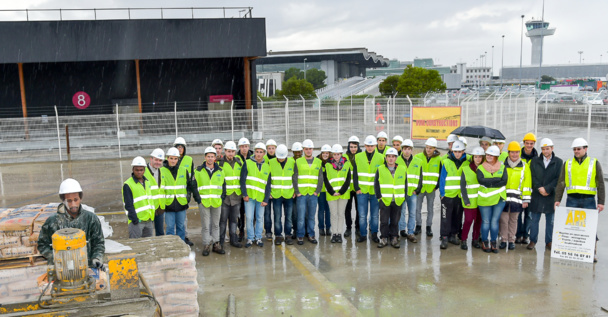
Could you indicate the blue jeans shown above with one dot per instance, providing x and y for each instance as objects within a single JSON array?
[
  {"x": 523, "y": 224},
  {"x": 268, "y": 217},
  {"x": 587, "y": 202},
  {"x": 175, "y": 221},
  {"x": 307, "y": 207},
  {"x": 364, "y": 208},
  {"x": 287, "y": 207},
  {"x": 490, "y": 220},
  {"x": 410, "y": 204},
  {"x": 253, "y": 208},
  {"x": 159, "y": 224},
  {"x": 323, "y": 215},
  {"x": 534, "y": 221}
]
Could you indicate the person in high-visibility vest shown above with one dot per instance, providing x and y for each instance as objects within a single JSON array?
[
  {"x": 528, "y": 152},
  {"x": 449, "y": 192},
  {"x": 271, "y": 148},
  {"x": 397, "y": 141},
  {"x": 255, "y": 189},
  {"x": 174, "y": 187},
  {"x": 500, "y": 143},
  {"x": 491, "y": 197},
  {"x": 282, "y": 178},
  {"x": 431, "y": 166},
  {"x": 469, "y": 188},
  {"x": 138, "y": 201},
  {"x": 210, "y": 188},
  {"x": 308, "y": 188},
  {"x": 296, "y": 150},
  {"x": 218, "y": 145},
  {"x": 323, "y": 214},
  {"x": 390, "y": 186},
  {"x": 186, "y": 162},
  {"x": 364, "y": 169},
  {"x": 519, "y": 193},
  {"x": 244, "y": 154},
  {"x": 336, "y": 176},
  {"x": 382, "y": 139},
  {"x": 414, "y": 186},
  {"x": 231, "y": 205},
  {"x": 350, "y": 216},
  {"x": 152, "y": 173},
  {"x": 583, "y": 179}
]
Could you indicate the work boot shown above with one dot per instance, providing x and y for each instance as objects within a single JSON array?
[
  {"x": 248, "y": 244},
  {"x": 300, "y": 241},
  {"x": 531, "y": 246},
  {"x": 429, "y": 232},
  {"x": 382, "y": 243},
  {"x": 494, "y": 248},
  {"x": 463, "y": 245},
  {"x": 217, "y": 248},
  {"x": 511, "y": 246},
  {"x": 347, "y": 233},
  {"x": 453, "y": 240},
  {"x": 412, "y": 238},
  {"x": 547, "y": 246},
  {"x": 234, "y": 241},
  {"x": 444, "y": 243},
  {"x": 403, "y": 233},
  {"x": 375, "y": 237},
  {"x": 207, "y": 250},
  {"x": 485, "y": 246},
  {"x": 362, "y": 239},
  {"x": 269, "y": 236},
  {"x": 475, "y": 243},
  {"x": 503, "y": 245},
  {"x": 188, "y": 242},
  {"x": 395, "y": 243},
  {"x": 417, "y": 230},
  {"x": 278, "y": 240}
]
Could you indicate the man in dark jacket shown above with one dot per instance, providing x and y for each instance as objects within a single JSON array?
[{"x": 545, "y": 170}]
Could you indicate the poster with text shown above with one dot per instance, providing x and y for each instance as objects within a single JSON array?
[
  {"x": 574, "y": 233},
  {"x": 434, "y": 122}
]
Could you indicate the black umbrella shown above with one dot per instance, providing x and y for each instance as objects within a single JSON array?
[{"x": 478, "y": 131}]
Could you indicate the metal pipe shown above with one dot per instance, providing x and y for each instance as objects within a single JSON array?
[
  {"x": 231, "y": 119},
  {"x": 67, "y": 140},
  {"x": 118, "y": 132},
  {"x": 175, "y": 115},
  {"x": 304, "y": 113},
  {"x": 58, "y": 136}
]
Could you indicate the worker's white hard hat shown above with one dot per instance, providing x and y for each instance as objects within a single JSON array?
[
  {"x": 463, "y": 140},
  {"x": 308, "y": 144},
  {"x": 353, "y": 139},
  {"x": 138, "y": 161},
  {"x": 392, "y": 151},
  {"x": 173, "y": 152},
  {"x": 326, "y": 148},
  {"x": 458, "y": 146},
  {"x": 478, "y": 151},
  {"x": 282, "y": 151},
  {"x": 382, "y": 134},
  {"x": 210, "y": 149},
  {"x": 370, "y": 140},
  {"x": 158, "y": 153},
  {"x": 398, "y": 138},
  {"x": 431, "y": 142},
  {"x": 297, "y": 146},
  {"x": 261, "y": 146},
  {"x": 68, "y": 186},
  {"x": 217, "y": 141},
  {"x": 271, "y": 142},
  {"x": 452, "y": 138},
  {"x": 546, "y": 142},
  {"x": 486, "y": 139},
  {"x": 493, "y": 150},
  {"x": 243, "y": 141},
  {"x": 499, "y": 141},
  {"x": 230, "y": 146},
  {"x": 337, "y": 148},
  {"x": 579, "y": 142},
  {"x": 179, "y": 141},
  {"x": 407, "y": 142}
]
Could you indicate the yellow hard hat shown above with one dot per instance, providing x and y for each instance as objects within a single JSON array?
[
  {"x": 529, "y": 137},
  {"x": 514, "y": 146}
]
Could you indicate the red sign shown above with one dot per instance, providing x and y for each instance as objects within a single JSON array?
[
  {"x": 81, "y": 100},
  {"x": 220, "y": 98}
]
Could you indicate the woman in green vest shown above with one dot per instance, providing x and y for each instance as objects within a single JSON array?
[
  {"x": 186, "y": 162},
  {"x": 469, "y": 188},
  {"x": 336, "y": 177},
  {"x": 323, "y": 215}
]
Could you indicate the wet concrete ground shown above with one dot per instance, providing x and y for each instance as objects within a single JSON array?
[{"x": 348, "y": 279}]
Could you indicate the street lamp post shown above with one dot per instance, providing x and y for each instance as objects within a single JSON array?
[
  {"x": 580, "y": 56},
  {"x": 492, "y": 62},
  {"x": 502, "y": 61},
  {"x": 521, "y": 47},
  {"x": 305, "y": 59}
]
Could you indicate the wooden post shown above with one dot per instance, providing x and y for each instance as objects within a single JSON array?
[
  {"x": 247, "y": 66},
  {"x": 138, "y": 85},
  {"x": 67, "y": 139},
  {"x": 23, "y": 103}
]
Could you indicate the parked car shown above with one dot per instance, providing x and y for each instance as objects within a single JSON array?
[{"x": 565, "y": 98}]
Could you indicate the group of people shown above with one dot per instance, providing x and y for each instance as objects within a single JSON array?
[{"x": 500, "y": 195}]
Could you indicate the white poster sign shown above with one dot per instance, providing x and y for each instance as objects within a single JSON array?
[{"x": 574, "y": 233}]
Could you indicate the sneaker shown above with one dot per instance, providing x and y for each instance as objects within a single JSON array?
[
  {"x": 288, "y": 241},
  {"x": 362, "y": 239},
  {"x": 339, "y": 239},
  {"x": 503, "y": 245},
  {"x": 417, "y": 230},
  {"x": 444, "y": 243},
  {"x": 375, "y": 237},
  {"x": 259, "y": 243},
  {"x": 207, "y": 250},
  {"x": 395, "y": 243},
  {"x": 333, "y": 239},
  {"x": 278, "y": 240},
  {"x": 188, "y": 242},
  {"x": 347, "y": 233},
  {"x": 217, "y": 248},
  {"x": 248, "y": 244},
  {"x": 412, "y": 238},
  {"x": 494, "y": 248},
  {"x": 454, "y": 240},
  {"x": 485, "y": 246},
  {"x": 382, "y": 243},
  {"x": 403, "y": 233},
  {"x": 463, "y": 245},
  {"x": 300, "y": 241},
  {"x": 269, "y": 236},
  {"x": 476, "y": 244},
  {"x": 429, "y": 232},
  {"x": 312, "y": 240},
  {"x": 511, "y": 246}
]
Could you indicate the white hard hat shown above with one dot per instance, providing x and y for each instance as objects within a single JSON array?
[
  {"x": 326, "y": 148},
  {"x": 478, "y": 151},
  {"x": 546, "y": 142},
  {"x": 179, "y": 140},
  {"x": 486, "y": 139},
  {"x": 463, "y": 140},
  {"x": 337, "y": 148},
  {"x": 138, "y": 161},
  {"x": 308, "y": 144},
  {"x": 370, "y": 140},
  {"x": 173, "y": 152},
  {"x": 271, "y": 142},
  {"x": 392, "y": 151},
  {"x": 452, "y": 138},
  {"x": 210, "y": 149},
  {"x": 431, "y": 142},
  {"x": 353, "y": 139},
  {"x": 458, "y": 146},
  {"x": 230, "y": 146},
  {"x": 297, "y": 146},
  {"x": 281, "y": 151},
  {"x": 243, "y": 141},
  {"x": 158, "y": 153},
  {"x": 260, "y": 145},
  {"x": 493, "y": 150},
  {"x": 382, "y": 134},
  {"x": 217, "y": 141},
  {"x": 68, "y": 186},
  {"x": 500, "y": 141},
  {"x": 579, "y": 142},
  {"x": 407, "y": 142},
  {"x": 398, "y": 138}
]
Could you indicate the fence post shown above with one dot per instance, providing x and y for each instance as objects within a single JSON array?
[
  {"x": 387, "y": 119},
  {"x": 338, "y": 116},
  {"x": 118, "y": 132},
  {"x": 262, "y": 109},
  {"x": 175, "y": 115},
  {"x": 589, "y": 123},
  {"x": 286, "y": 120},
  {"x": 58, "y": 137},
  {"x": 411, "y": 115},
  {"x": 304, "y": 113},
  {"x": 485, "y": 110},
  {"x": 231, "y": 119},
  {"x": 319, "y": 123}
]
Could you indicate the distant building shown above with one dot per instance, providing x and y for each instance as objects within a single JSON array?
[{"x": 268, "y": 83}]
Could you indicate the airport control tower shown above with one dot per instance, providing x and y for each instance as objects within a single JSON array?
[{"x": 537, "y": 29}]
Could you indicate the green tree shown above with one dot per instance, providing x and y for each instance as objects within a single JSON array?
[
  {"x": 546, "y": 78},
  {"x": 388, "y": 86},
  {"x": 293, "y": 72},
  {"x": 316, "y": 77},
  {"x": 417, "y": 81},
  {"x": 296, "y": 87}
]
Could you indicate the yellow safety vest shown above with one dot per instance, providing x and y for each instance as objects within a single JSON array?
[
  {"x": 308, "y": 175},
  {"x": 430, "y": 172},
  {"x": 413, "y": 173},
  {"x": 519, "y": 186},
  {"x": 472, "y": 187},
  {"x": 367, "y": 171},
  {"x": 281, "y": 178},
  {"x": 210, "y": 190},
  {"x": 232, "y": 176},
  {"x": 256, "y": 180},
  {"x": 452, "y": 180},
  {"x": 336, "y": 179},
  {"x": 157, "y": 198},
  {"x": 580, "y": 178},
  {"x": 392, "y": 187},
  {"x": 171, "y": 188},
  {"x": 490, "y": 196},
  {"x": 142, "y": 199}
]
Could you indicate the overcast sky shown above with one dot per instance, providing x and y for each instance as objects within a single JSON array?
[{"x": 448, "y": 31}]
